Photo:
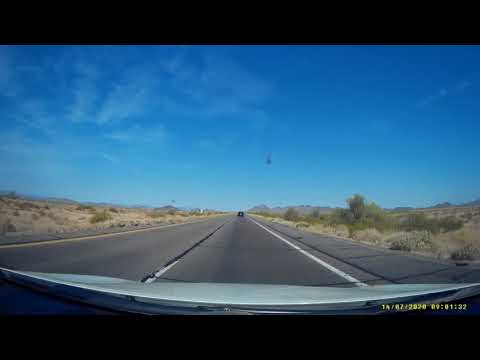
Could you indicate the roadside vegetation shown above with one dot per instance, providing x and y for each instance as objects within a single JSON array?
[
  {"x": 18, "y": 216},
  {"x": 452, "y": 234},
  {"x": 101, "y": 216}
]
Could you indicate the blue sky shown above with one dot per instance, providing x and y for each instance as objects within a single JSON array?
[{"x": 194, "y": 124}]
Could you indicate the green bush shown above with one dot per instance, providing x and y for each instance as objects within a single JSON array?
[
  {"x": 101, "y": 216},
  {"x": 357, "y": 206},
  {"x": 450, "y": 224},
  {"x": 112, "y": 209},
  {"x": 171, "y": 212},
  {"x": 418, "y": 221},
  {"x": 341, "y": 216},
  {"x": 361, "y": 215},
  {"x": 352, "y": 228},
  {"x": 291, "y": 215}
]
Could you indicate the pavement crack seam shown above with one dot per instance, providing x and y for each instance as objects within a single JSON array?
[{"x": 170, "y": 263}]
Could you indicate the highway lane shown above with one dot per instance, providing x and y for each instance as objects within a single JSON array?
[
  {"x": 243, "y": 252},
  {"x": 128, "y": 256},
  {"x": 246, "y": 251},
  {"x": 382, "y": 265},
  {"x": 231, "y": 249}
]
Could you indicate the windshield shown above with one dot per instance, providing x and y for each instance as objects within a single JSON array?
[{"x": 301, "y": 166}]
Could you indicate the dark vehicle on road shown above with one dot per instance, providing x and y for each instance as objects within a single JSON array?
[{"x": 240, "y": 213}]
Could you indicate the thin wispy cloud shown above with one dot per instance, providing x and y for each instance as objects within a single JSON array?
[
  {"x": 125, "y": 101},
  {"x": 139, "y": 134},
  {"x": 215, "y": 86},
  {"x": 432, "y": 98},
  {"x": 111, "y": 158},
  {"x": 444, "y": 92},
  {"x": 70, "y": 113},
  {"x": 85, "y": 94}
]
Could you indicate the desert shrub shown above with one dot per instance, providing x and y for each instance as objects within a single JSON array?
[
  {"x": 341, "y": 230},
  {"x": 373, "y": 212},
  {"x": 401, "y": 244},
  {"x": 468, "y": 252},
  {"x": 315, "y": 213},
  {"x": 302, "y": 225},
  {"x": 51, "y": 216},
  {"x": 341, "y": 216},
  {"x": 157, "y": 214},
  {"x": 100, "y": 217},
  {"x": 410, "y": 241},
  {"x": 450, "y": 224},
  {"x": 418, "y": 221},
  {"x": 371, "y": 235},
  {"x": 291, "y": 215},
  {"x": 35, "y": 216},
  {"x": 27, "y": 206},
  {"x": 85, "y": 207},
  {"x": 16, "y": 213},
  {"x": 171, "y": 212},
  {"x": 311, "y": 219},
  {"x": 357, "y": 206},
  {"x": 112, "y": 209},
  {"x": 359, "y": 226}
]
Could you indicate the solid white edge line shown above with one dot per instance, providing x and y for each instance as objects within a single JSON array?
[
  {"x": 160, "y": 272},
  {"x": 314, "y": 258}
]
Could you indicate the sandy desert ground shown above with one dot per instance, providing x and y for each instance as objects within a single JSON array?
[{"x": 37, "y": 217}]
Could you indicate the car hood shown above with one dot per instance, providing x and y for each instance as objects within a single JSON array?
[{"x": 249, "y": 294}]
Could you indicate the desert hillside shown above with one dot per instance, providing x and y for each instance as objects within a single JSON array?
[{"x": 30, "y": 216}]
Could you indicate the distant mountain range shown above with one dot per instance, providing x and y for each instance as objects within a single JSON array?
[
  {"x": 68, "y": 201},
  {"x": 307, "y": 209},
  {"x": 166, "y": 208},
  {"x": 301, "y": 209}
]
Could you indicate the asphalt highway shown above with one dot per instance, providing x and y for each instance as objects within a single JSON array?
[{"x": 232, "y": 249}]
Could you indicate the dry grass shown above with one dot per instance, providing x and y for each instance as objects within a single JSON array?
[
  {"x": 462, "y": 244},
  {"x": 371, "y": 235},
  {"x": 44, "y": 217}
]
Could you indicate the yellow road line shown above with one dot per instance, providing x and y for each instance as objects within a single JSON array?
[{"x": 50, "y": 242}]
